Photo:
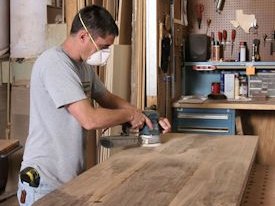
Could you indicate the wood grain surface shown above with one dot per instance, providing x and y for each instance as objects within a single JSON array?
[
  {"x": 262, "y": 124},
  {"x": 187, "y": 169},
  {"x": 7, "y": 145},
  {"x": 257, "y": 118},
  {"x": 268, "y": 104}
]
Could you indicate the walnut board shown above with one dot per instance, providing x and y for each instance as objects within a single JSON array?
[
  {"x": 188, "y": 169},
  {"x": 7, "y": 145}
]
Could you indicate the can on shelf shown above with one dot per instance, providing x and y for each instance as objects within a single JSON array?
[{"x": 215, "y": 87}]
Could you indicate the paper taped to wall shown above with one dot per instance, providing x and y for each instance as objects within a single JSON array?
[{"x": 245, "y": 21}]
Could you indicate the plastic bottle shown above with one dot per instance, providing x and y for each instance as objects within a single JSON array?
[{"x": 242, "y": 51}]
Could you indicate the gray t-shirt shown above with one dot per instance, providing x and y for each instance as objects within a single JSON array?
[{"x": 55, "y": 145}]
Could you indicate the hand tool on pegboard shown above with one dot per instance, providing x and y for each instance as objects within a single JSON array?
[
  {"x": 264, "y": 38},
  {"x": 212, "y": 38},
  {"x": 219, "y": 5},
  {"x": 220, "y": 37},
  {"x": 224, "y": 37},
  {"x": 184, "y": 12},
  {"x": 233, "y": 37},
  {"x": 199, "y": 11},
  {"x": 256, "y": 46},
  {"x": 272, "y": 43},
  {"x": 208, "y": 22}
]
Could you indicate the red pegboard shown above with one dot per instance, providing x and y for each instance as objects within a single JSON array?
[{"x": 264, "y": 11}]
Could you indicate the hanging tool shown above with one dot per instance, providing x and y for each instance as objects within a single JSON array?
[
  {"x": 208, "y": 22},
  {"x": 233, "y": 37},
  {"x": 146, "y": 137},
  {"x": 220, "y": 37},
  {"x": 219, "y": 5},
  {"x": 272, "y": 43},
  {"x": 184, "y": 12},
  {"x": 264, "y": 37},
  {"x": 255, "y": 50},
  {"x": 224, "y": 37},
  {"x": 199, "y": 9},
  {"x": 212, "y": 38}
]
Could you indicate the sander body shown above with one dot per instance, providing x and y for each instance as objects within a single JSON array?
[{"x": 146, "y": 137}]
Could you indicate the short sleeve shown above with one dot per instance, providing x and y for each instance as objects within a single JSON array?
[{"x": 62, "y": 83}]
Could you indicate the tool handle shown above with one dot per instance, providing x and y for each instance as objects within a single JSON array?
[
  {"x": 208, "y": 21},
  {"x": 224, "y": 35},
  {"x": 212, "y": 37},
  {"x": 233, "y": 35},
  {"x": 220, "y": 36}
]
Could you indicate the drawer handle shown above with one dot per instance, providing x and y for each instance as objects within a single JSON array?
[
  {"x": 203, "y": 130},
  {"x": 203, "y": 116}
]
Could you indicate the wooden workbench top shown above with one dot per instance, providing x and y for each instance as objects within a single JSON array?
[
  {"x": 268, "y": 104},
  {"x": 188, "y": 169}
]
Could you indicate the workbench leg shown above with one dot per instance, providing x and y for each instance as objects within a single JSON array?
[{"x": 239, "y": 126}]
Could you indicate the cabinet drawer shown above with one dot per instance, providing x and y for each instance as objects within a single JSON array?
[{"x": 208, "y": 121}]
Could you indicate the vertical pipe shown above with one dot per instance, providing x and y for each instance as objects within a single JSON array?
[
  {"x": 173, "y": 67},
  {"x": 8, "y": 102},
  {"x": 151, "y": 52}
]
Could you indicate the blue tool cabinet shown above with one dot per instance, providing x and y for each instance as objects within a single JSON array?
[{"x": 206, "y": 121}]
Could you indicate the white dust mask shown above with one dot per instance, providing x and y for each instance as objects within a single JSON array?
[{"x": 99, "y": 58}]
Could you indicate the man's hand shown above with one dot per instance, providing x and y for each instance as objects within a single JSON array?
[
  {"x": 139, "y": 119},
  {"x": 165, "y": 124}
]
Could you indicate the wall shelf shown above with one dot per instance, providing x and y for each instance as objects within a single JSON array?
[{"x": 233, "y": 65}]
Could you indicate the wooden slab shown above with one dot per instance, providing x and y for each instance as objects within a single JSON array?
[
  {"x": 7, "y": 145},
  {"x": 188, "y": 169}
]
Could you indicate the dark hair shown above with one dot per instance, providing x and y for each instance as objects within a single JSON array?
[{"x": 97, "y": 20}]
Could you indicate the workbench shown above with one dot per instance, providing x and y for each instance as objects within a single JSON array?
[
  {"x": 257, "y": 117},
  {"x": 187, "y": 169},
  {"x": 7, "y": 148}
]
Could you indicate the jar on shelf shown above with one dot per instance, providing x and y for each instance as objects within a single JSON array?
[
  {"x": 216, "y": 52},
  {"x": 242, "y": 51}
]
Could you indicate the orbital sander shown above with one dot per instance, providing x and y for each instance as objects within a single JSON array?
[{"x": 146, "y": 137}]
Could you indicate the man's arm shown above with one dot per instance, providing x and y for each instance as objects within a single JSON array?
[
  {"x": 110, "y": 100},
  {"x": 115, "y": 111}
]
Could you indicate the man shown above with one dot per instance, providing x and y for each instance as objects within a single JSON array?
[{"x": 60, "y": 108}]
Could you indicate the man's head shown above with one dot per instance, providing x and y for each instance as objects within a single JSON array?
[
  {"x": 98, "y": 21},
  {"x": 93, "y": 31}
]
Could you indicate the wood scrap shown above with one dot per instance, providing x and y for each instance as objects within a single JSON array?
[
  {"x": 124, "y": 22},
  {"x": 138, "y": 55}
]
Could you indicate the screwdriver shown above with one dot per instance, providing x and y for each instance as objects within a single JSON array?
[
  {"x": 224, "y": 36},
  {"x": 212, "y": 38},
  {"x": 233, "y": 37},
  {"x": 220, "y": 37},
  {"x": 208, "y": 21}
]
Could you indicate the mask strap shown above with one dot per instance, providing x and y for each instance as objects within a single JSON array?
[{"x": 79, "y": 15}]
